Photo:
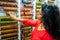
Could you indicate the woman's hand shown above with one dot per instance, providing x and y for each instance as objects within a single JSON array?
[
  {"x": 50, "y": 1},
  {"x": 12, "y": 16}
]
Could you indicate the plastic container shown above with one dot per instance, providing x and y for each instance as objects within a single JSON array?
[
  {"x": 28, "y": 5},
  {"x": 26, "y": 1}
]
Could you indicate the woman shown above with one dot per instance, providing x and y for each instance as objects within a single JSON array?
[{"x": 47, "y": 27}]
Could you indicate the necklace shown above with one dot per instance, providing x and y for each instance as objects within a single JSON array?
[{"x": 41, "y": 27}]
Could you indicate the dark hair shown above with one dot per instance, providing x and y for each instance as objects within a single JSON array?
[{"x": 50, "y": 17}]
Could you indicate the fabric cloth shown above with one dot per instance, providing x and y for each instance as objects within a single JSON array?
[{"x": 37, "y": 34}]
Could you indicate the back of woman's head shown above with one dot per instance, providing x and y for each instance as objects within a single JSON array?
[{"x": 50, "y": 17}]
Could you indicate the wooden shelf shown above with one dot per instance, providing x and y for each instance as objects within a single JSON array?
[
  {"x": 28, "y": 14},
  {"x": 38, "y": 7},
  {"x": 9, "y": 0},
  {"x": 10, "y": 38},
  {"x": 28, "y": 5},
  {"x": 8, "y": 4},
  {"x": 14, "y": 26},
  {"x": 4, "y": 17},
  {"x": 26, "y": 32},
  {"x": 9, "y": 35},
  {"x": 39, "y": 3},
  {"x": 9, "y": 31},
  {"x": 28, "y": 35},
  {"x": 10, "y": 8},
  {"x": 25, "y": 9},
  {"x": 4, "y": 22}
]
